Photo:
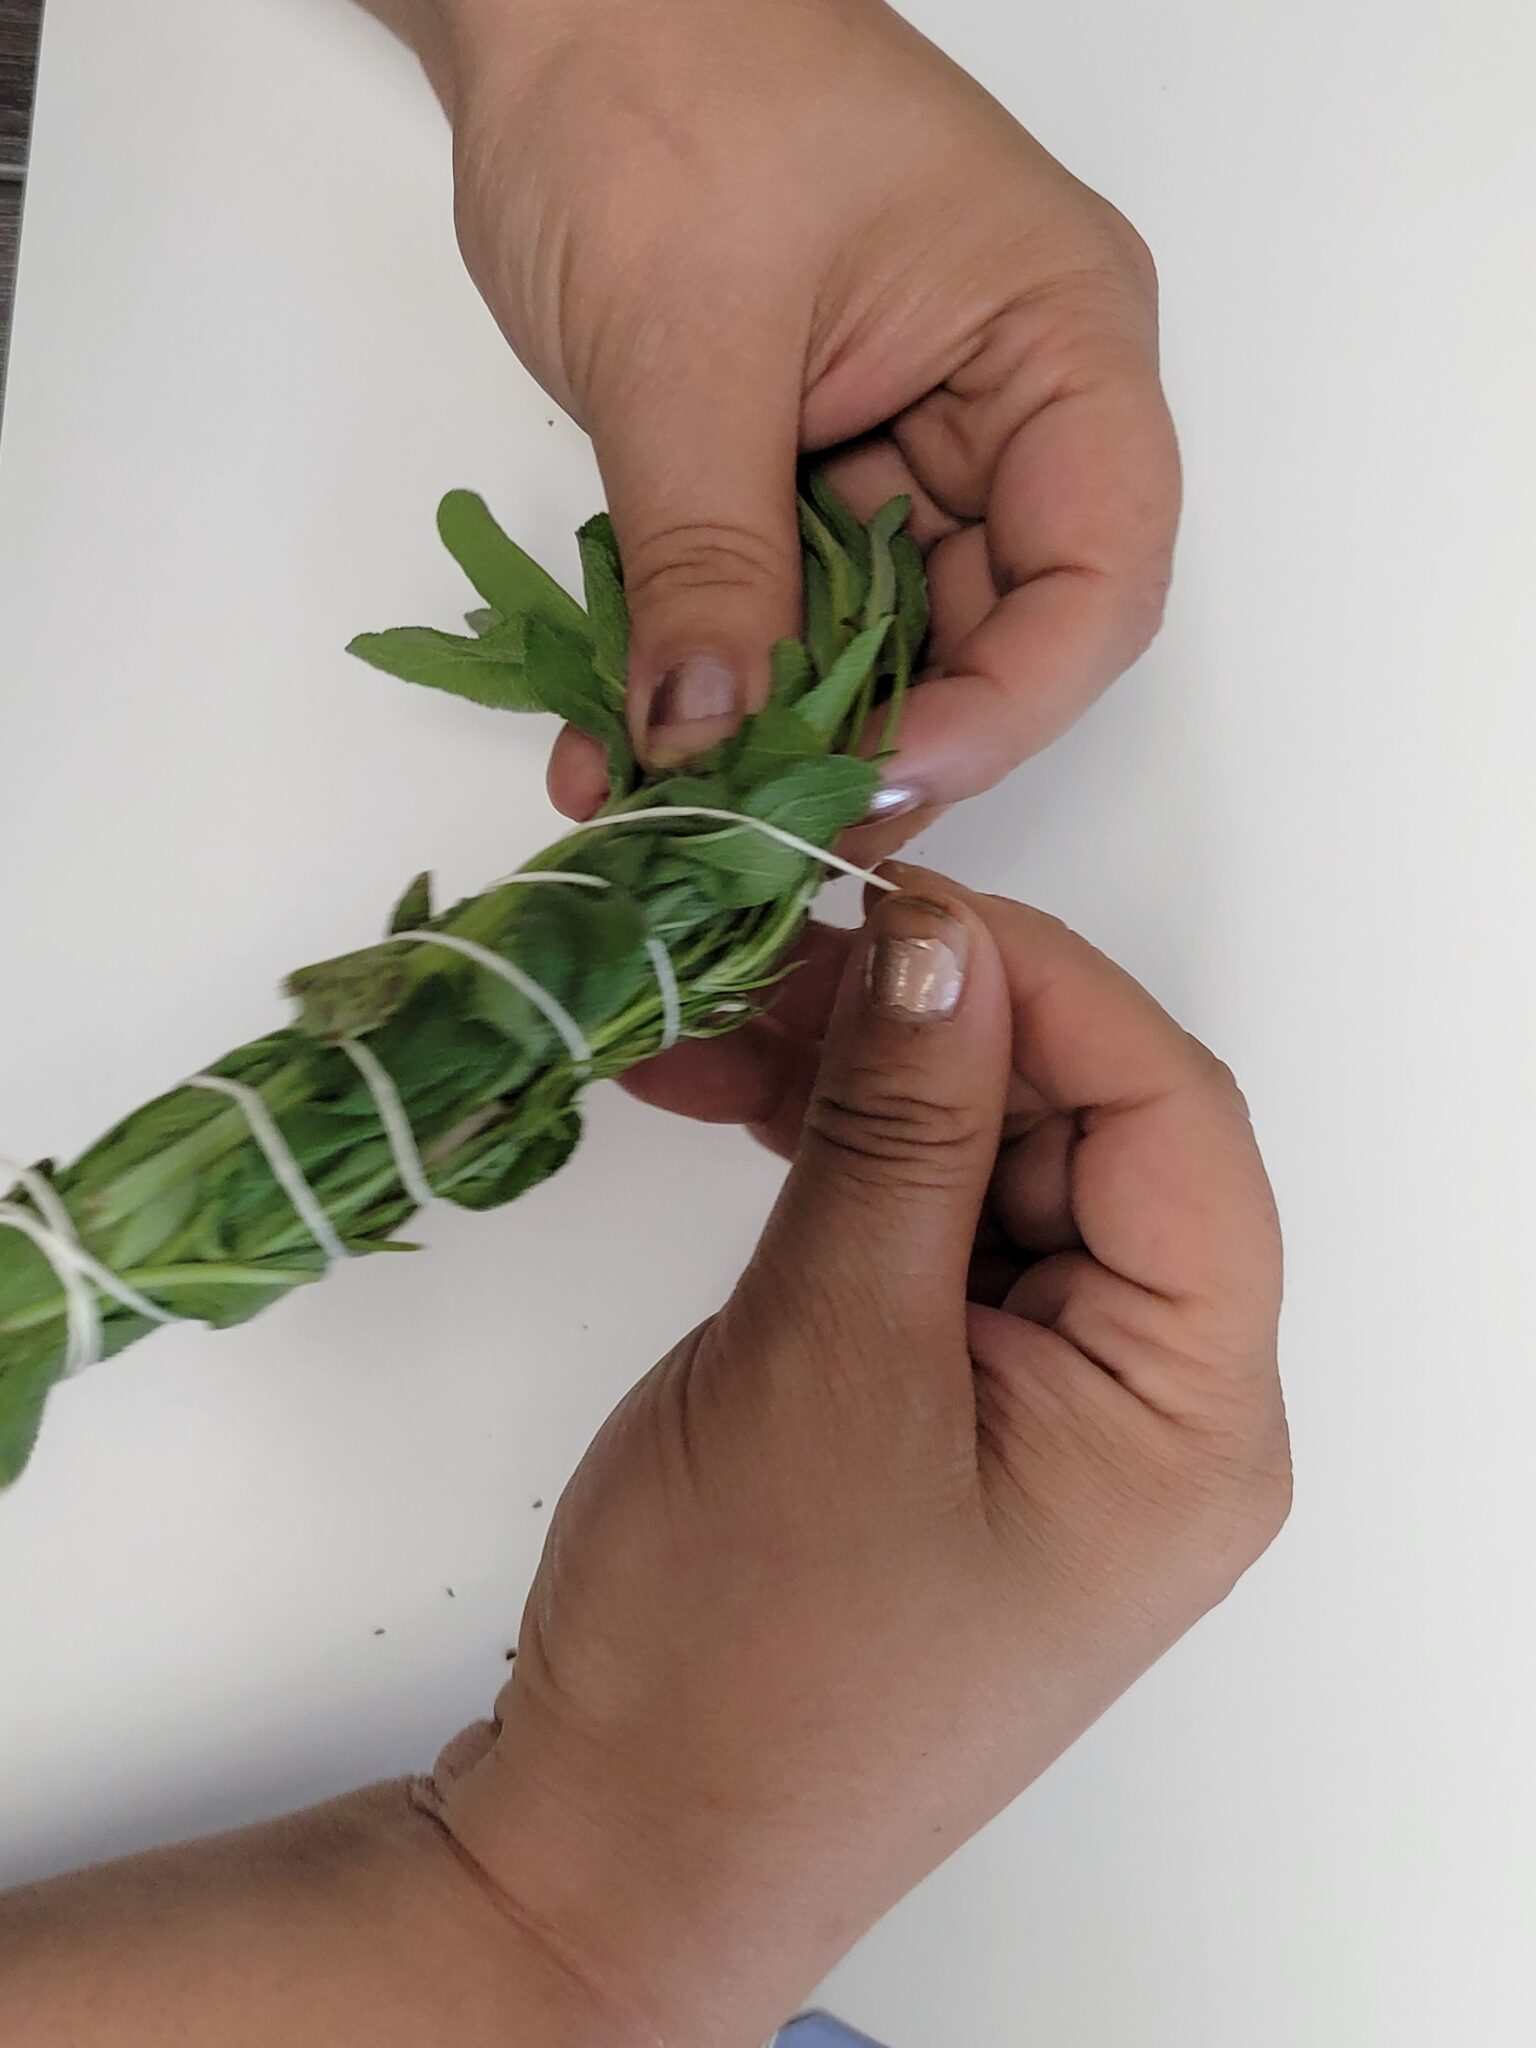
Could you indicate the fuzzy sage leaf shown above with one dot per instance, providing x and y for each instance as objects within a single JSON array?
[{"x": 181, "y": 1204}]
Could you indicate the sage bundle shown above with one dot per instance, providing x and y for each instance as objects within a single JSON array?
[{"x": 447, "y": 1062}]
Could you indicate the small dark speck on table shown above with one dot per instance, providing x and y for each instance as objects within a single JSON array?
[
  {"x": 378, "y": 1631},
  {"x": 538, "y": 1504},
  {"x": 511, "y": 1656},
  {"x": 20, "y": 21}
]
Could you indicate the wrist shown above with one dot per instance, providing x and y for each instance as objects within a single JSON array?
[
  {"x": 459, "y": 42},
  {"x": 483, "y": 1959},
  {"x": 681, "y": 1927},
  {"x": 468, "y": 35},
  {"x": 425, "y": 27}
]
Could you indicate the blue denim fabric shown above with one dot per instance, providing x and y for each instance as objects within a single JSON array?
[{"x": 820, "y": 2030}]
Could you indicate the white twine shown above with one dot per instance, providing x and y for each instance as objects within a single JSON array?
[
  {"x": 45, "y": 1197},
  {"x": 539, "y": 996},
  {"x": 397, "y": 1125},
  {"x": 660, "y": 958},
  {"x": 574, "y": 881},
  {"x": 78, "y": 1271},
  {"x": 279, "y": 1156},
  {"x": 58, "y": 1219},
  {"x": 661, "y": 961},
  {"x": 52, "y": 1230},
  {"x": 671, "y": 999},
  {"x": 792, "y": 839},
  {"x": 82, "y": 1316}
]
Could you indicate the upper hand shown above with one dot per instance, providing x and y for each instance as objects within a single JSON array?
[
  {"x": 724, "y": 235},
  {"x": 991, "y": 1419}
]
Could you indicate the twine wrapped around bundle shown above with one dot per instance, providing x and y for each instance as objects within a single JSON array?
[{"x": 448, "y": 1060}]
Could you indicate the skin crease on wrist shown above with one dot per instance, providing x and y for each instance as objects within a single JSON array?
[{"x": 353, "y": 1922}]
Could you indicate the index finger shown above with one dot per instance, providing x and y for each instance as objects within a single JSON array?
[
  {"x": 1167, "y": 1188},
  {"x": 1038, "y": 610}
]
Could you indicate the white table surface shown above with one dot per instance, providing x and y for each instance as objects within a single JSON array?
[{"x": 246, "y": 363}]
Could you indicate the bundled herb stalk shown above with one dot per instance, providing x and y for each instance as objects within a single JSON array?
[{"x": 448, "y": 1060}]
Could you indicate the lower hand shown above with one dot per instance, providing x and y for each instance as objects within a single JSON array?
[{"x": 991, "y": 1419}]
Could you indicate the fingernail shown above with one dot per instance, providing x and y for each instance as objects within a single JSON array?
[
  {"x": 916, "y": 968},
  {"x": 699, "y": 693},
  {"x": 894, "y": 800}
]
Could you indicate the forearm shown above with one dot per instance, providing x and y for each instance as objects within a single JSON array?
[{"x": 355, "y": 1922}]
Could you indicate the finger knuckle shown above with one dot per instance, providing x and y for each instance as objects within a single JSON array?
[
  {"x": 694, "y": 557},
  {"x": 1042, "y": 932},
  {"x": 1220, "y": 1075},
  {"x": 1130, "y": 250},
  {"x": 1146, "y": 604},
  {"x": 477, "y": 180},
  {"x": 1240, "y": 1488},
  {"x": 1219, "y": 1078},
  {"x": 1107, "y": 247},
  {"x": 884, "y": 1130},
  {"x": 1272, "y": 1492}
]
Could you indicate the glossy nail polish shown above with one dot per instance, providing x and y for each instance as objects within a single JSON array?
[
  {"x": 893, "y": 800},
  {"x": 918, "y": 976}
]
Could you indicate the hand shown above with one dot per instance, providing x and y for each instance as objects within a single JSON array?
[
  {"x": 722, "y": 235},
  {"x": 991, "y": 1419}
]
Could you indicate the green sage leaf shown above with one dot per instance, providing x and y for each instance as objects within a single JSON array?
[
  {"x": 151, "y": 1227},
  {"x": 824, "y": 637},
  {"x": 774, "y": 739},
  {"x": 414, "y": 908},
  {"x": 880, "y": 598},
  {"x": 911, "y": 594},
  {"x": 826, "y": 707},
  {"x": 848, "y": 532},
  {"x": 845, "y": 571},
  {"x": 509, "y": 580},
  {"x": 744, "y": 869},
  {"x": 793, "y": 672},
  {"x": 517, "y": 1165},
  {"x": 180, "y": 1197},
  {"x": 817, "y": 799},
  {"x": 471, "y": 669},
  {"x": 352, "y": 995},
  {"x": 24, "y": 1391},
  {"x": 603, "y": 575},
  {"x": 561, "y": 675}
]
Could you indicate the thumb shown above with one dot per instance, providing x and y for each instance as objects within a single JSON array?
[
  {"x": 872, "y": 1237},
  {"x": 698, "y": 459}
]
